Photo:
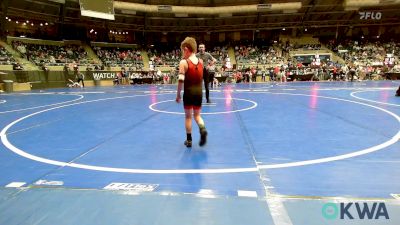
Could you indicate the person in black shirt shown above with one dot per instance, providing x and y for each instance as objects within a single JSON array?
[
  {"x": 17, "y": 66},
  {"x": 209, "y": 68},
  {"x": 80, "y": 77}
]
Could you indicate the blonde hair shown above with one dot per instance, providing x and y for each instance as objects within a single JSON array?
[{"x": 190, "y": 43}]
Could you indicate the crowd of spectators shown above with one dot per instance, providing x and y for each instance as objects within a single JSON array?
[
  {"x": 249, "y": 54},
  {"x": 164, "y": 57},
  {"x": 52, "y": 55},
  {"x": 364, "y": 52},
  {"x": 367, "y": 58},
  {"x": 286, "y": 47},
  {"x": 171, "y": 57},
  {"x": 5, "y": 57},
  {"x": 112, "y": 56},
  {"x": 220, "y": 54},
  {"x": 362, "y": 60}
]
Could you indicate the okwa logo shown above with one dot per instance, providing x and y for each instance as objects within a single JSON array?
[{"x": 355, "y": 210}]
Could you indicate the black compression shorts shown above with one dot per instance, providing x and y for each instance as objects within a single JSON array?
[{"x": 192, "y": 100}]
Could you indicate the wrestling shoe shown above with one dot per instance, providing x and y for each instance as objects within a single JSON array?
[
  {"x": 188, "y": 143},
  {"x": 203, "y": 137}
]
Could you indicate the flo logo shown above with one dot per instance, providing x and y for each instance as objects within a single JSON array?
[
  {"x": 370, "y": 15},
  {"x": 356, "y": 210}
]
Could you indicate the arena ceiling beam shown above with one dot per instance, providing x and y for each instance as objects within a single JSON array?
[
  {"x": 357, "y": 4},
  {"x": 317, "y": 13},
  {"x": 199, "y": 10}
]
